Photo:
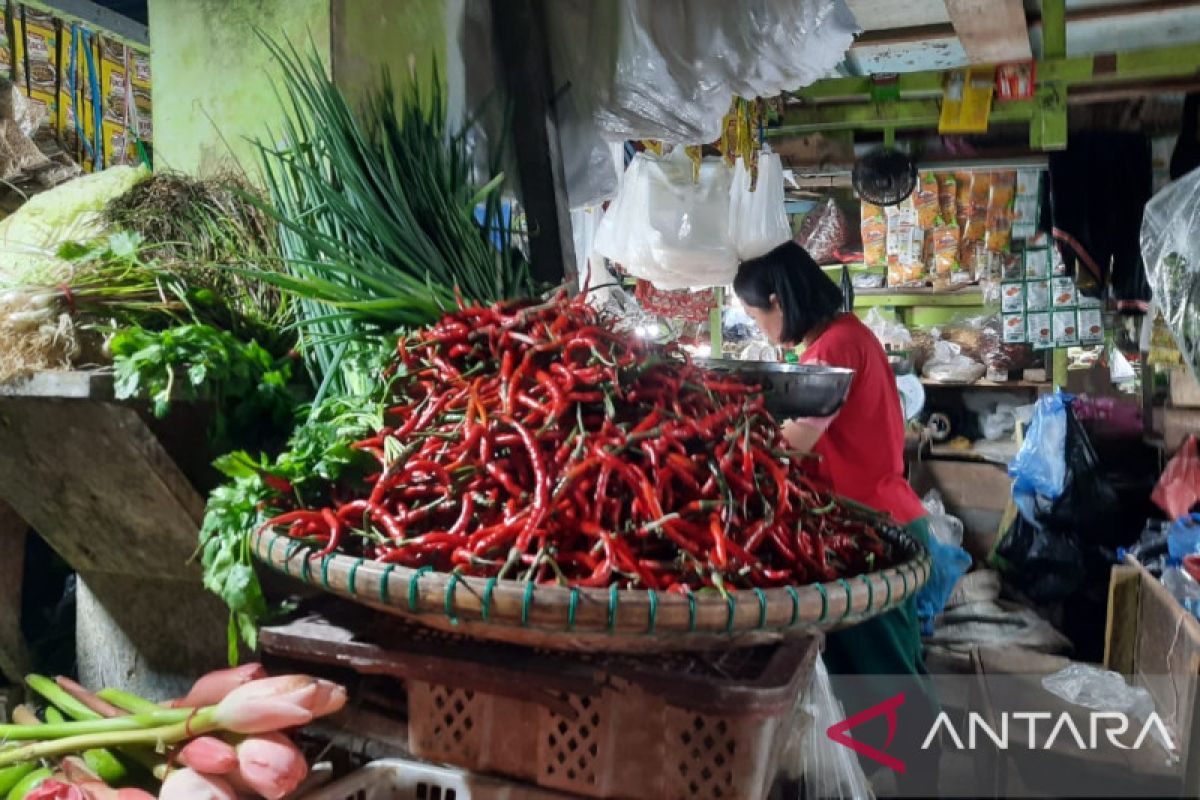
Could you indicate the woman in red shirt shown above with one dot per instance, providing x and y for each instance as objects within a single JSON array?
[{"x": 862, "y": 457}]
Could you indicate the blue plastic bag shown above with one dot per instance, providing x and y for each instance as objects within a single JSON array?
[
  {"x": 949, "y": 564},
  {"x": 1183, "y": 537},
  {"x": 1040, "y": 466}
]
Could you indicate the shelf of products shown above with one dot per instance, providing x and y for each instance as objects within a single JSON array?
[{"x": 986, "y": 384}]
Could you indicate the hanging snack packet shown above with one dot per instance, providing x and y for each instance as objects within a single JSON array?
[
  {"x": 1001, "y": 195},
  {"x": 962, "y": 196},
  {"x": 948, "y": 197},
  {"x": 1039, "y": 330},
  {"x": 979, "y": 194},
  {"x": 945, "y": 251},
  {"x": 873, "y": 229},
  {"x": 926, "y": 200}
]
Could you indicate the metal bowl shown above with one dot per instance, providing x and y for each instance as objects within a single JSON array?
[{"x": 790, "y": 390}]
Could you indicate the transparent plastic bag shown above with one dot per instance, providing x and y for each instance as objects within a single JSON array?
[
  {"x": 823, "y": 232},
  {"x": 758, "y": 222},
  {"x": 665, "y": 228},
  {"x": 949, "y": 365},
  {"x": 1171, "y": 251},
  {"x": 830, "y": 770},
  {"x": 674, "y": 66},
  {"x": 1040, "y": 466},
  {"x": 1099, "y": 690},
  {"x": 890, "y": 333}
]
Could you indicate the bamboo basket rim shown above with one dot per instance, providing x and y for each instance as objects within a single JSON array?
[{"x": 486, "y": 606}]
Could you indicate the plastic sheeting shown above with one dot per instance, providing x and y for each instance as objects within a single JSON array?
[
  {"x": 650, "y": 69},
  {"x": 679, "y": 63},
  {"x": 1171, "y": 250}
]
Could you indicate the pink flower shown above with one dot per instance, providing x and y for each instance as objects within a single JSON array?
[
  {"x": 209, "y": 755},
  {"x": 52, "y": 789},
  {"x": 211, "y": 689},
  {"x": 330, "y": 699},
  {"x": 132, "y": 794},
  {"x": 268, "y": 704},
  {"x": 187, "y": 784},
  {"x": 271, "y": 765}
]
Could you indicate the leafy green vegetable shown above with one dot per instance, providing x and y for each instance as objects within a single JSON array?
[
  {"x": 247, "y": 385},
  {"x": 317, "y": 457},
  {"x": 377, "y": 215}
]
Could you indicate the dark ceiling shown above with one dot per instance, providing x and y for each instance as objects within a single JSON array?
[{"x": 134, "y": 9}]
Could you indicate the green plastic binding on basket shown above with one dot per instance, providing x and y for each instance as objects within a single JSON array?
[
  {"x": 325, "y": 572},
  {"x": 526, "y": 601},
  {"x": 414, "y": 588},
  {"x": 870, "y": 591},
  {"x": 824, "y": 601},
  {"x": 270, "y": 547},
  {"x": 571, "y": 606},
  {"x": 352, "y": 579},
  {"x": 488, "y": 588},
  {"x": 845, "y": 584},
  {"x": 383, "y": 583},
  {"x": 652, "y": 598},
  {"x": 903, "y": 579},
  {"x": 306, "y": 568},
  {"x": 691, "y": 598},
  {"x": 450, "y": 584},
  {"x": 731, "y": 604},
  {"x": 762, "y": 608},
  {"x": 791, "y": 590},
  {"x": 887, "y": 599},
  {"x": 287, "y": 556},
  {"x": 613, "y": 600}
]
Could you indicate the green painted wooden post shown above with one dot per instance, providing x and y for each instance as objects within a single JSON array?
[{"x": 715, "y": 339}]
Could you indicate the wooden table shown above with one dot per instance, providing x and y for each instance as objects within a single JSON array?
[{"x": 90, "y": 476}]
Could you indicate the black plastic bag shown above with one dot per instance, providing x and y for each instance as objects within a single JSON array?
[
  {"x": 1044, "y": 564},
  {"x": 1088, "y": 505}
]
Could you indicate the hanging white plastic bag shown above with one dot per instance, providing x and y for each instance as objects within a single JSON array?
[
  {"x": 622, "y": 235},
  {"x": 758, "y": 221},
  {"x": 666, "y": 228}
]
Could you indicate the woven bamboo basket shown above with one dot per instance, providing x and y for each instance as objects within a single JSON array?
[{"x": 613, "y": 620}]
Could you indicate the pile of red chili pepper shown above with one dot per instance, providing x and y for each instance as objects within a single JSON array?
[{"x": 534, "y": 443}]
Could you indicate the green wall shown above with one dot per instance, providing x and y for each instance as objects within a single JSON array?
[
  {"x": 371, "y": 35},
  {"x": 212, "y": 76}
]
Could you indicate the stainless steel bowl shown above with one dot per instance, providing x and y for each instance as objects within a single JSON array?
[{"x": 790, "y": 390}]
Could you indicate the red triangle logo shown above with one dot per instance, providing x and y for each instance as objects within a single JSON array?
[{"x": 888, "y": 707}]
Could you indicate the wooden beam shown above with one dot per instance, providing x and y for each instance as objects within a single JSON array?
[
  {"x": 991, "y": 31},
  {"x": 893, "y": 36},
  {"x": 1120, "y": 11},
  {"x": 519, "y": 30}
]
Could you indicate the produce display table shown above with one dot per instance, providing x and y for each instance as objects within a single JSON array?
[
  {"x": 90, "y": 476},
  {"x": 663, "y": 725}
]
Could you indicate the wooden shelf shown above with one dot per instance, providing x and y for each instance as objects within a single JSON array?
[
  {"x": 920, "y": 296},
  {"x": 986, "y": 384}
]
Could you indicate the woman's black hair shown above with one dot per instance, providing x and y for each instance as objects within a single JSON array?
[{"x": 807, "y": 296}]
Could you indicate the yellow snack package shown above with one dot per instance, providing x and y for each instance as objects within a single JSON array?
[
  {"x": 873, "y": 229},
  {"x": 926, "y": 200},
  {"x": 944, "y": 242},
  {"x": 948, "y": 197},
  {"x": 1001, "y": 197},
  {"x": 978, "y": 193}
]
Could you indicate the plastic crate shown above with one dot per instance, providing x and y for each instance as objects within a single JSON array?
[
  {"x": 626, "y": 738},
  {"x": 400, "y": 779},
  {"x": 667, "y": 726}
]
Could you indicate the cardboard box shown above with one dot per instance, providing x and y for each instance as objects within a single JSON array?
[
  {"x": 1151, "y": 639},
  {"x": 1185, "y": 391}
]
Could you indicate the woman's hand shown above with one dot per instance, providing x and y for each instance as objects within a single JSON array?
[{"x": 803, "y": 434}]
